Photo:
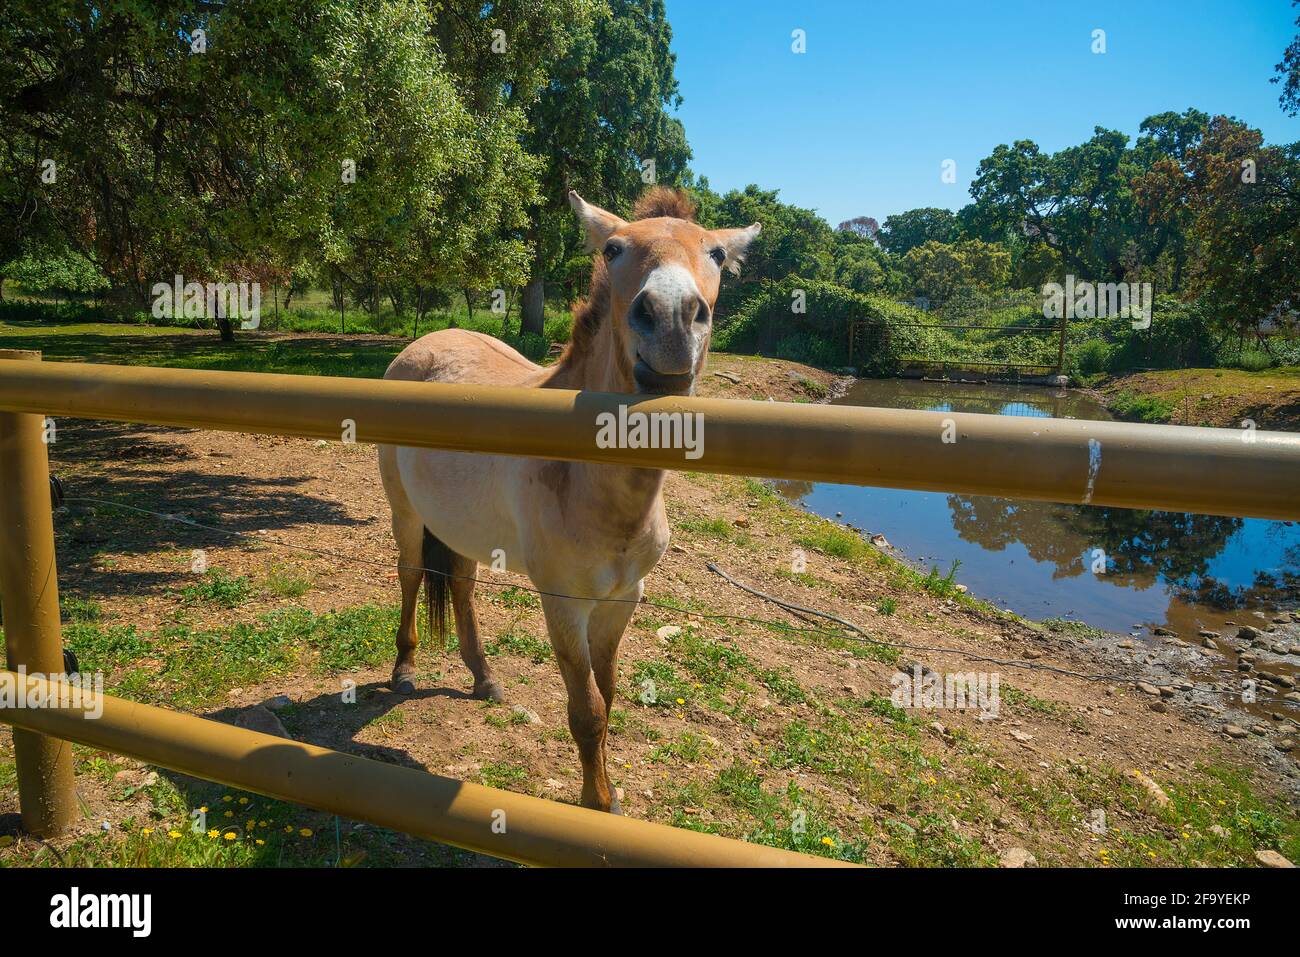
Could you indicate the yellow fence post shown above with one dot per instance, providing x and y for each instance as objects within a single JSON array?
[{"x": 29, "y": 602}]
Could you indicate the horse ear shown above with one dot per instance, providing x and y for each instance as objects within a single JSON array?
[
  {"x": 736, "y": 243},
  {"x": 597, "y": 223}
]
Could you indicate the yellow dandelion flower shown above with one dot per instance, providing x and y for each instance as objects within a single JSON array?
[
  {"x": 249, "y": 824},
  {"x": 147, "y": 830},
  {"x": 229, "y": 835},
  {"x": 681, "y": 701},
  {"x": 243, "y": 800},
  {"x": 1186, "y": 835},
  {"x": 828, "y": 842},
  {"x": 260, "y": 842},
  {"x": 173, "y": 834},
  {"x": 229, "y": 814},
  {"x": 227, "y": 798},
  {"x": 305, "y": 832},
  {"x": 214, "y": 833},
  {"x": 261, "y": 824},
  {"x": 204, "y": 809},
  {"x": 288, "y": 829}
]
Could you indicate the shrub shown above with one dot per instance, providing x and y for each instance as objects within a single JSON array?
[{"x": 766, "y": 323}]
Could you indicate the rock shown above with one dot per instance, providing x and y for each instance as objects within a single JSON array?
[
  {"x": 1208, "y": 643},
  {"x": 1021, "y": 736},
  {"x": 1234, "y": 731},
  {"x": 1148, "y": 688},
  {"x": 678, "y": 548},
  {"x": 729, "y": 376},
  {"x": 741, "y": 522},
  {"x": 278, "y": 703},
  {"x": 1166, "y": 692},
  {"x": 880, "y": 541},
  {"x": 1260, "y": 729},
  {"x": 1125, "y": 644},
  {"x": 668, "y": 631},
  {"x": 1032, "y": 653},
  {"x": 1155, "y": 790},
  {"x": 1247, "y": 633},
  {"x": 1205, "y": 633},
  {"x": 1286, "y": 681},
  {"x": 258, "y": 718},
  {"x": 1218, "y": 831},
  {"x": 938, "y": 728},
  {"x": 526, "y": 713},
  {"x": 1285, "y": 745},
  {"x": 850, "y": 690},
  {"x": 1165, "y": 633},
  {"x": 1017, "y": 857},
  {"x": 1272, "y": 859},
  {"x": 1159, "y": 707}
]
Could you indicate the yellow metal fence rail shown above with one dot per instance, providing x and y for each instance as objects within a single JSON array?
[{"x": 1244, "y": 472}]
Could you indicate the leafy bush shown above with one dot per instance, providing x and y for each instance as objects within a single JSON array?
[
  {"x": 56, "y": 272},
  {"x": 767, "y": 323},
  {"x": 1254, "y": 360}
]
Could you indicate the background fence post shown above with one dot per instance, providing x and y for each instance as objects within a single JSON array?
[
  {"x": 29, "y": 602},
  {"x": 1060, "y": 349}
]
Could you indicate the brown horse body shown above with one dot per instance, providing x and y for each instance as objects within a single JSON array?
[{"x": 576, "y": 529}]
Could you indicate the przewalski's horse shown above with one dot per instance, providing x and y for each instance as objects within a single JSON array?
[{"x": 575, "y": 529}]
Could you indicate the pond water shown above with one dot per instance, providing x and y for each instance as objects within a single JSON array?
[{"x": 1176, "y": 570}]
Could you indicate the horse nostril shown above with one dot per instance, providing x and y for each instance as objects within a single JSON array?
[
  {"x": 697, "y": 310},
  {"x": 641, "y": 314}
]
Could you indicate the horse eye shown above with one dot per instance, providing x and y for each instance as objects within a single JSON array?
[
  {"x": 718, "y": 255},
  {"x": 612, "y": 250}
]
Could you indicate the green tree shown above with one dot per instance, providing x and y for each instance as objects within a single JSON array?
[
  {"x": 907, "y": 230},
  {"x": 940, "y": 271},
  {"x": 230, "y": 141},
  {"x": 602, "y": 126},
  {"x": 1288, "y": 72}
]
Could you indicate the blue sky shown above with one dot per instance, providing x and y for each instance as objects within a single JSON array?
[{"x": 861, "y": 122}]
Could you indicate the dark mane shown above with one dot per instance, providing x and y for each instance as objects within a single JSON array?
[{"x": 587, "y": 313}]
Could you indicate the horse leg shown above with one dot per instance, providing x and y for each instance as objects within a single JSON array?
[
  {"x": 604, "y": 633},
  {"x": 567, "y": 620},
  {"x": 408, "y": 531},
  {"x": 463, "y": 572}
]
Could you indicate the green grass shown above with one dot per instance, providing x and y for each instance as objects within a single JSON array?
[
  {"x": 220, "y": 588},
  {"x": 1141, "y": 408},
  {"x": 522, "y": 645},
  {"x": 195, "y": 666},
  {"x": 284, "y": 582},
  {"x": 716, "y": 528}
]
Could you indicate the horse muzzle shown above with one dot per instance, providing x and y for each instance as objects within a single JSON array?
[{"x": 650, "y": 380}]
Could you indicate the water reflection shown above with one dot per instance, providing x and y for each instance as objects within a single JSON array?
[{"x": 1180, "y": 570}]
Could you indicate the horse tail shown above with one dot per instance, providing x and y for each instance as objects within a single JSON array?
[{"x": 436, "y": 558}]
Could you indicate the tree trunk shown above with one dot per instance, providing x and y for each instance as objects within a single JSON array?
[
  {"x": 532, "y": 302},
  {"x": 226, "y": 329}
]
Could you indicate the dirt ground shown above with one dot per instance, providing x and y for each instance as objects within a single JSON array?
[{"x": 760, "y": 721}]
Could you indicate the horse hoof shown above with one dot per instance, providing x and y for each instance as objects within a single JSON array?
[
  {"x": 403, "y": 682},
  {"x": 615, "y": 807},
  {"x": 489, "y": 691}
]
